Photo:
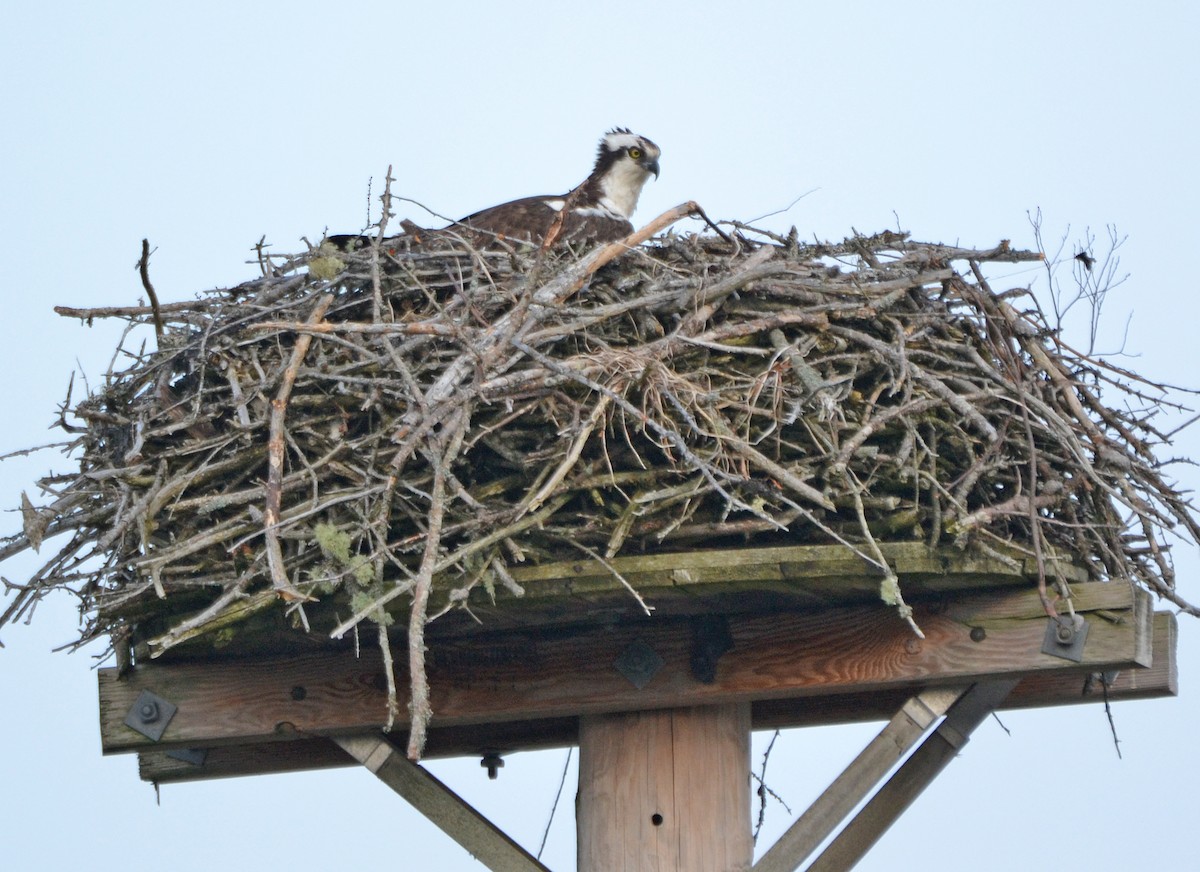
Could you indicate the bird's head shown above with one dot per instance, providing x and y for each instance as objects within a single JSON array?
[
  {"x": 624, "y": 162},
  {"x": 620, "y": 146}
]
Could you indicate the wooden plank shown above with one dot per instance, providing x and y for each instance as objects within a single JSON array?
[
  {"x": 520, "y": 677},
  {"x": 913, "y": 776},
  {"x": 857, "y": 781},
  {"x": 1159, "y": 679},
  {"x": 236, "y": 761},
  {"x": 441, "y": 805},
  {"x": 304, "y": 754},
  {"x": 665, "y": 791},
  {"x": 719, "y": 581},
  {"x": 817, "y": 574},
  {"x": 785, "y": 562},
  {"x": 1052, "y": 688}
]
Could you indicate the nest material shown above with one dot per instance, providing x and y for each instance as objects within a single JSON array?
[{"x": 362, "y": 432}]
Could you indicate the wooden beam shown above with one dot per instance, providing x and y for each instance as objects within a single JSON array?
[
  {"x": 665, "y": 791},
  {"x": 524, "y": 676},
  {"x": 857, "y": 781},
  {"x": 913, "y": 776},
  {"x": 1052, "y": 688},
  {"x": 455, "y": 817},
  {"x": 738, "y": 580},
  {"x": 723, "y": 581},
  {"x": 303, "y": 754}
]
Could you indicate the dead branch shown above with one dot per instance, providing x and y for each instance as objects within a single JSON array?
[
  {"x": 275, "y": 438},
  {"x": 143, "y": 266}
]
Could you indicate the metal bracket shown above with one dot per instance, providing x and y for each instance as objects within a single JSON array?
[
  {"x": 639, "y": 663},
  {"x": 710, "y": 639},
  {"x": 191, "y": 756},
  {"x": 1065, "y": 637},
  {"x": 150, "y": 715}
]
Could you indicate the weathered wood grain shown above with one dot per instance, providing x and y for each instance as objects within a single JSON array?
[
  {"x": 1051, "y": 688},
  {"x": 701, "y": 580},
  {"x": 565, "y": 673},
  {"x": 665, "y": 790}
]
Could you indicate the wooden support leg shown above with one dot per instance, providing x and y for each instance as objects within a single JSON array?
[
  {"x": 853, "y": 842},
  {"x": 665, "y": 790},
  {"x": 440, "y": 804},
  {"x": 858, "y": 780}
]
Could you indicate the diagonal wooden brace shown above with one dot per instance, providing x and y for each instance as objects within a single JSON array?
[
  {"x": 453, "y": 815},
  {"x": 857, "y": 781},
  {"x": 916, "y": 773}
]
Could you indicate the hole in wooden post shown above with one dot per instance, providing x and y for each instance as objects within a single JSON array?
[{"x": 656, "y": 819}]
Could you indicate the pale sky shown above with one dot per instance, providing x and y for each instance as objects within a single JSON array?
[{"x": 208, "y": 126}]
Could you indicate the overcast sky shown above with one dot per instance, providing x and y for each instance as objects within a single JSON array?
[{"x": 207, "y": 126}]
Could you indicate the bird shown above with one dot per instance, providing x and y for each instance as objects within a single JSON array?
[{"x": 598, "y": 210}]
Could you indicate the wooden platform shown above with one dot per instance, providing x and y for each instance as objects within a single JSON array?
[
  {"x": 724, "y": 581},
  {"x": 738, "y": 639},
  {"x": 811, "y": 643}
]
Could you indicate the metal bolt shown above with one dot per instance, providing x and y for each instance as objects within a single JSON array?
[
  {"x": 638, "y": 663},
  {"x": 493, "y": 764},
  {"x": 1064, "y": 632},
  {"x": 978, "y": 634},
  {"x": 298, "y": 693},
  {"x": 150, "y": 715}
]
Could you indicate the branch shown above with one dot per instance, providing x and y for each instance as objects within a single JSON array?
[
  {"x": 143, "y": 266},
  {"x": 275, "y": 450}
]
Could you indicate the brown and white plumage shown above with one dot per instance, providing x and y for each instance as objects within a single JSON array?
[{"x": 598, "y": 210}]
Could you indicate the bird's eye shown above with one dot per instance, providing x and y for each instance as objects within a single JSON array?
[{"x": 635, "y": 152}]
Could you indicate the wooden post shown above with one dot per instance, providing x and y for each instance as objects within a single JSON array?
[{"x": 665, "y": 791}]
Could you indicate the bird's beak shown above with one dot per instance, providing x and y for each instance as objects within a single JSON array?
[{"x": 652, "y": 167}]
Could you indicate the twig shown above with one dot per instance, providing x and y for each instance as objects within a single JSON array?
[
  {"x": 389, "y": 672},
  {"x": 419, "y": 708},
  {"x": 143, "y": 266},
  {"x": 275, "y": 449},
  {"x": 554, "y": 806},
  {"x": 647, "y": 610},
  {"x": 763, "y": 791},
  {"x": 1105, "y": 681}
]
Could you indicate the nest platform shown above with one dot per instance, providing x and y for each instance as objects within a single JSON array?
[{"x": 433, "y": 441}]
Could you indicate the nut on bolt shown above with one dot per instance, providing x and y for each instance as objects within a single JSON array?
[
  {"x": 493, "y": 764},
  {"x": 150, "y": 714}
]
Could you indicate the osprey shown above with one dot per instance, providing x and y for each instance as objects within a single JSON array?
[{"x": 598, "y": 210}]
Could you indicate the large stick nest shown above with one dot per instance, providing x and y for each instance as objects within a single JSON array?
[{"x": 362, "y": 432}]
